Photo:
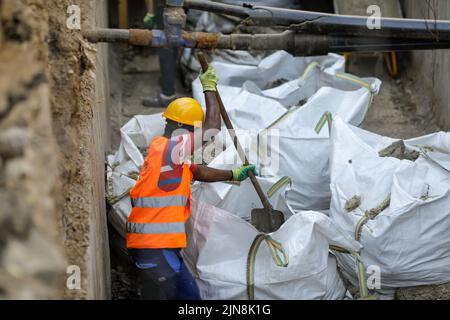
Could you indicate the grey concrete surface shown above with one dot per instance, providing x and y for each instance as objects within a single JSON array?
[
  {"x": 99, "y": 277},
  {"x": 432, "y": 68}
]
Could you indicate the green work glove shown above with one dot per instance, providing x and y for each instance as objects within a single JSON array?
[
  {"x": 149, "y": 20},
  {"x": 209, "y": 79},
  {"x": 241, "y": 174}
]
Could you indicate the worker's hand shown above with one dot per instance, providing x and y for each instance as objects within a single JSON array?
[
  {"x": 241, "y": 174},
  {"x": 149, "y": 20},
  {"x": 209, "y": 79}
]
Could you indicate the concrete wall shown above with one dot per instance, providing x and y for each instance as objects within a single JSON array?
[
  {"x": 432, "y": 68},
  {"x": 98, "y": 255}
]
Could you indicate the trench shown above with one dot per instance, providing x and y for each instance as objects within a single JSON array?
[
  {"x": 62, "y": 104},
  {"x": 399, "y": 111}
]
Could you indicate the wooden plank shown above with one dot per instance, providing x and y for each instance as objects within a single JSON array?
[
  {"x": 150, "y": 6},
  {"x": 389, "y": 8},
  {"x": 123, "y": 14}
]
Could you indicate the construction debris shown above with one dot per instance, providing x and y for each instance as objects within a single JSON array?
[
  {"x": 398, "y": 150},
  {"x": 352, "y": 204}
]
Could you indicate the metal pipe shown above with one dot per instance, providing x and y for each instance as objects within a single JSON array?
[
  {"x": 312, "y": 45},
  {"x": 324, "y": 23},
  {"x": 200, "y": 40},
  {"x": 174, "y": 22},
  {"x": 280, "y": 41},
  {"x": 108, "y": 35},
  {"x": 175, "y": 3},
  {"x": 296, "y": 43},
  {"x": 220, "y": 8}
]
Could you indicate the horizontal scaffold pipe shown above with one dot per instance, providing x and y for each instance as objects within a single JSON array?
[
  {"x": 324, "y": 23},
  {"x": 298, "y": 44}
]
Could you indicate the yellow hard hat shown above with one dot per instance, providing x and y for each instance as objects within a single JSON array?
[{"x": 186, "y": 111}]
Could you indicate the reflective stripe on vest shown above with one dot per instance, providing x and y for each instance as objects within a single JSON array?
[
  {"x": 156, "y": 228},
  {"x": 160, "y": 202}
]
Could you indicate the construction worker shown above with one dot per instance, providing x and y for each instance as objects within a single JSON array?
[{"x": 160, "y": 198}]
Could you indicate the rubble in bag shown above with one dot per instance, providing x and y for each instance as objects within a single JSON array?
[
  {"x": 398, "y": 150},
  {"x": 276, "y": 83},
  {"x": 352, "y": 204},
  {"x": 403, "y": 219}
]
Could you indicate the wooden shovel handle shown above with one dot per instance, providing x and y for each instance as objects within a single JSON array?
[{"x": 229, "y": 125}]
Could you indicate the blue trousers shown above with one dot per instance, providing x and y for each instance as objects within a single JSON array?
[{"x": 163, "y": 275}]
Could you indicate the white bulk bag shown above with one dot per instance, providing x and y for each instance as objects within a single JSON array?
[
  {"x": 219, "y": 242},
  {"x": 251, "y": 111},
  {"x": 301, "y": 76},
  {"x": 303, "y": 153},
  {"x": 409, "y": 240}
]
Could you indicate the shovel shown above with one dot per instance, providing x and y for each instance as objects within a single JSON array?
[{"x": 266, "y": 220}]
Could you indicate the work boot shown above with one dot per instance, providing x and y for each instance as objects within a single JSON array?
[{"x": 160, "y": 101}]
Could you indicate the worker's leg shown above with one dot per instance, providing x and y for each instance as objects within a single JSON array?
[
  {"x": 168, "y": 59},
  {"x": 166, "y": 269},
  {"x": 150, "y": 290},
  {"x": 186, "y": 286}
]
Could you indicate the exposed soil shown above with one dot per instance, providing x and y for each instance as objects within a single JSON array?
[
  {"x": 32, "y": 264},
  {"x": 77, "y": 124}
]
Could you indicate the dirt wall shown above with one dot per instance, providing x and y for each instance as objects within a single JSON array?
[
  {"x": 431, "y": 67},
  {"x": 54, "y": 134},
  {"x": 32, "y": 262},
  {"x": 79, "y": 107}
]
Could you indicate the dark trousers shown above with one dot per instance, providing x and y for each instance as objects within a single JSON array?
[
  {"x": 168, "y": 57},
  {"x": 163, "y": 275}
]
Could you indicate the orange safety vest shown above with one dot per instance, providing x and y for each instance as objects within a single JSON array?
[{"x": 158, "y": 218}]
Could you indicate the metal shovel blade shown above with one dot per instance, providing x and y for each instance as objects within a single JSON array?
[{"x": 267, "y": 221}]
